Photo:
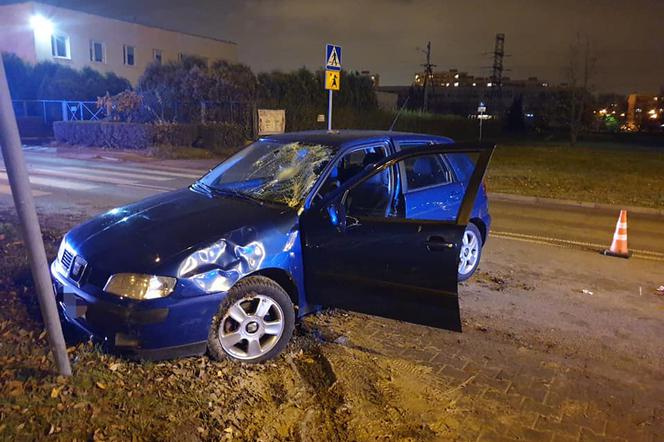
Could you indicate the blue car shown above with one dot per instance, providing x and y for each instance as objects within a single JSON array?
[{"x": 384, "y": 223}]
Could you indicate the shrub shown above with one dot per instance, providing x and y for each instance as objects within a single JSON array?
[
  {"x": 218, "y": 137},
  {"x": 171, "y": 134},
  {"x": 104, "y": 134},
  {"x": 47, "y": 80},
  {"x": 221, "y": 137}
]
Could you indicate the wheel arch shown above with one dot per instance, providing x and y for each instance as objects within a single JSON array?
[
  {"x": 281, "y": 277},
  {"x": 481, "y": 226}
]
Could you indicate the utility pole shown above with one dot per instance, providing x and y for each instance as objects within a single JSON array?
[
  {"x": 17, "y": 173},
  {"x": 428, "y": 75}
]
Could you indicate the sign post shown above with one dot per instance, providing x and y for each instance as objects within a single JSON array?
[
  {"x": 17, "y": 173},
  {"x": 480, "y": 111},
  {"x": 332, "y": 76}
]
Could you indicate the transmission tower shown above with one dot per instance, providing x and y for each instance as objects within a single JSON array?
[
  {"x": 428, "y": 75},
  {"x": 497, "y": 72}
]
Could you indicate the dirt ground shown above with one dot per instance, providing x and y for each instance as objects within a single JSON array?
[{"x": 539, "y": 359}]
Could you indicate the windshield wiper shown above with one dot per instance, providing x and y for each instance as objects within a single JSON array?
[{"x": 234, "y": 193}]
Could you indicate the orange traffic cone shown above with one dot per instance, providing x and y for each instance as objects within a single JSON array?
[{"x": 619, "y": 244}]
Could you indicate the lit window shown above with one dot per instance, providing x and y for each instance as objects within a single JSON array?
[
  {"x": 156, "y": 54},
  {"x": 60, "y": 46},
  {"x": 129, "y": 58},
  {"x": 97, "y": 52}
]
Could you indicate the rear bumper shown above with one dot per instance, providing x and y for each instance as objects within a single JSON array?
[{"x": 170, "y": 328}]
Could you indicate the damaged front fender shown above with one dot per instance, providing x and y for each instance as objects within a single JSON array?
[{"x": 218, "y": 266}]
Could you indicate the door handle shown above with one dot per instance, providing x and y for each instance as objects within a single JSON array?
[{"x": 438, "y": 243}]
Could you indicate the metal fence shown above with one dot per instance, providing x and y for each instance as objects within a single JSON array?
[{"x": 58, "y": 110}]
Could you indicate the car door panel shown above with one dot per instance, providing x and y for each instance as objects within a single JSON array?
[{"x": 394, "y": 267}]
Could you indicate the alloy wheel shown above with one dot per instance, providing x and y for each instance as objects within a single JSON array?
[
  {"x": 251, "y": 327},
  {"x": 470, "y": 251}
]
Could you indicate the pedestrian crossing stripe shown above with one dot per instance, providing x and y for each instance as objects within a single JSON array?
[{"x": 332, "y": 80}]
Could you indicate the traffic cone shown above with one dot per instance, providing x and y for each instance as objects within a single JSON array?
[{"x": 619, "y": 244}]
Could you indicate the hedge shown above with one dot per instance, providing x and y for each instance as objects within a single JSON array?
[{"x": 117, "y": 135}]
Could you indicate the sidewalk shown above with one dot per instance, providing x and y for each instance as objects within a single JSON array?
[{"x": 523, "y": 199}]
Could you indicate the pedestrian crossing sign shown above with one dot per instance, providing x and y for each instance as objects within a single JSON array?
[
  {"x": 332, "y": 80},
  {"x": 333, "y": 58}
]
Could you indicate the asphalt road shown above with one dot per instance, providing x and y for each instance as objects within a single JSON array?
[{"x": 88, "y": 186}]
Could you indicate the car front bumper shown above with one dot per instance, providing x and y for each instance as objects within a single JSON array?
[{"x": 160, "y": 329}]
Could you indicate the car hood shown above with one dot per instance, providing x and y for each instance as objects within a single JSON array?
[{"x": 155, "y": 233}]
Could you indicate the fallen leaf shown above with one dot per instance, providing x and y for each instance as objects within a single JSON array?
[
  {"x": 101, "y": 385},
  {"x": 114, "y": 366},
  {"x": 42, "y": 335},
  {"x": 55, "y": 392}
]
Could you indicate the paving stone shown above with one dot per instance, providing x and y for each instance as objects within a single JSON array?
[
  {"x": 556, "y": 426},
  {"x": 587, "y": 435},
  {"x": 597, "y": 425}
]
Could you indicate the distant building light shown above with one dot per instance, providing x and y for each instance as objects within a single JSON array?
[
  {"x": 456, "y": 75},
  {"x": 42, "y": 26},
  {"x": 456, "y": 84},
  {"x": 489, "y": 84},
  {"x": 447, "y": 85},
  {"x": 545, "y": 84},
  {"x": 530, "y": 115},
  {"x": 622, "y": 114},
  {"x": 652, "y": 111},
  {"x": 417, "y": 77},
  {"x": 474, "y": 84}
]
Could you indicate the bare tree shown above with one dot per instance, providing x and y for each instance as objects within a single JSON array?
[{"x": 579, "y": 73}]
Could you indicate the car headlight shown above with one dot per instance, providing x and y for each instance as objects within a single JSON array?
[{"x": 136, "y": 286}]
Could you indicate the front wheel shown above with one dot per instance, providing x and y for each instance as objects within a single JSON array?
[
  {"x": 471, "y": 251},
  {"x": 254, "y": 323}
]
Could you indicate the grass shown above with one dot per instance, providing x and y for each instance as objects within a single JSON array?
[{"x": 594, "y": 172}]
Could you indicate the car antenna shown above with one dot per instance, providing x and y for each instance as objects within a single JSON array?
[{"x": 396, "y": 117}]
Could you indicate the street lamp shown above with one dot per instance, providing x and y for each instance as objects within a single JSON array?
[{"x": 42, "y": 26}]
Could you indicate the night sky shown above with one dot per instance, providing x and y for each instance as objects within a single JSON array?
[{"x": 384, "y": 35}]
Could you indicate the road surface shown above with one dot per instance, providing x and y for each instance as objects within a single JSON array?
[
  {"x": 559, "y": 342},
  {"x": 90, "y": 186}
]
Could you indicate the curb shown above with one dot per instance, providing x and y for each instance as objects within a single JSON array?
[{"x": 536, "y": 200}]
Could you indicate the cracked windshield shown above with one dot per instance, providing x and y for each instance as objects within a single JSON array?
[{"x": 278, "y": 173}]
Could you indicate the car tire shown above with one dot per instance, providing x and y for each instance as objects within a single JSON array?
[
  {"x": 470, "y": 252},
  {"x": 254, "y": 323}
]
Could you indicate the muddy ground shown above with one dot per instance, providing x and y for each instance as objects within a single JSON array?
[{"x": 539, "y": 359}]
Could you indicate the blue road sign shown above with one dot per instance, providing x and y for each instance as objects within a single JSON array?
[{"x": 333, "y": 58}]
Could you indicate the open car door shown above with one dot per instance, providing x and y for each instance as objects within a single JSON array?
[{"x": 362, "y": 253}]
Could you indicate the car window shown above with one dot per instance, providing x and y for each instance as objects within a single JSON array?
[
  {"x": 353, "y": 163},
  {"x": 425, "y": 171}
]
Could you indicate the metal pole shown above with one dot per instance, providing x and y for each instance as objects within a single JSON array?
[
  {"x": 17, "y": 173},
  {"x": 481, "y": 118},
  {"x": 329, "y": 111}
]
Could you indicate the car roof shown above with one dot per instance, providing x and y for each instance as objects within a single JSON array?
[{"x": 343, "y": 139}]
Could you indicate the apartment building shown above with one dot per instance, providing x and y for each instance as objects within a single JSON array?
[{"x": 40, "y": 32}]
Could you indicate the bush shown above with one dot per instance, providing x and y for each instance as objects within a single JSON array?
[
  {"x": 52, "y": 81},
  {"x": 104, "y": 134},
  {"x": 170, "y": 134},
  {"x": 221, "y": 137},
  {"x": 218, "y": 137}
]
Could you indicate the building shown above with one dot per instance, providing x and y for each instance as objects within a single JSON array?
[
  {"x": 645, "y": 112},
  {"x": 38, "y": 32},
  {"x": 459, "y": 93}
]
